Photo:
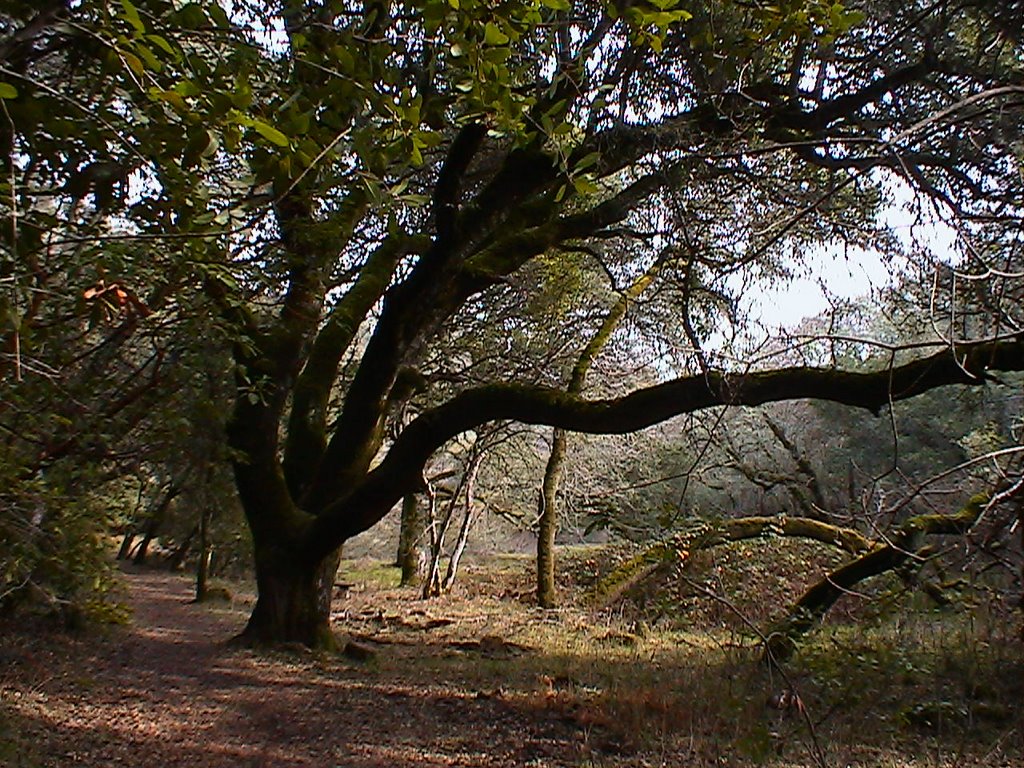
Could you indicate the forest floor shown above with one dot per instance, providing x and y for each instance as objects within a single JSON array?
[{"x": 476, "y": 679}]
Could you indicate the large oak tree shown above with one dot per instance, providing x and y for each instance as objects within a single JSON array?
[{"x": 373, "y": 181}]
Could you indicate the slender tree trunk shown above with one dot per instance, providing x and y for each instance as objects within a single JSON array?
[
  {"x": 132, "y": 530},
  {"x": 547, "y": 505},
  {"x": 438, "y": 530},
  {"x": 1020, "y": 525},
  {"x": 547, "y": 521},
  {"x": 155, "y": 522},
  {"x": 176, "y": 561},
  {"x": 143, "y": 551},
  {"x": 410, "y": 542},
  {"x": 205, "y": 553},
  {"x": 467, "y": 524},
  {"x": 126, "y": 543}
]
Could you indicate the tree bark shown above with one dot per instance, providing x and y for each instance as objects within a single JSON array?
[
  {"x": 438, "y": 529},
  {"x": 205, "y": 553},
  {"x": 547, "y": 503},
  {"x": 155, "y": 522},
  {"x": 294, "y": 602},
  {"x": 547, "y": 521},
  {"x": 126, "y": 542},
  {"x": 152, "y": 527},
  {"x": 467, "y": 523},
  {"x": 410, "y": 541},
  {"x": 1020, "y": 524},
  {"x": 176, "y": 561},
  {"x": 680, "y": 548},
  {"x": 401, "y": 469}
]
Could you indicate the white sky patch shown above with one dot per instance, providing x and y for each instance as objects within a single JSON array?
[
  {"x": 835, "y": 277},
  {"x": 830, "y": 276},
  {"x": 273, "y": 37}
]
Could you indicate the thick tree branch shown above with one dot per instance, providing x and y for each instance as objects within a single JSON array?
[
  {"x": 307, "y": 425},
  {"x": 680, "y": 548},
  {"x": 506, "y": 255},
  {"x": 449, "y": 179},
  {"x": 623, "y": 145},
  {"x": 18, "y": 49},
  {"x": 414, "y": 310},
  {"x": 399, "y": 473},
  {"x": 846, "y": 106}
]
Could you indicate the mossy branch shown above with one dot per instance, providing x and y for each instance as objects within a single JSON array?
[
  {"x": 307, "y": 425},
  {"x": 709, "y": 535},
  {"x": 399, "y": 472},
  {"x": 882, "y": 558}
]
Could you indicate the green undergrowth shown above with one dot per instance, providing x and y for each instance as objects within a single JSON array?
[
  {"x": 953, "y": 675},
  {"x": 727, "y": 586},
  {"x": 366, "y": 573}
]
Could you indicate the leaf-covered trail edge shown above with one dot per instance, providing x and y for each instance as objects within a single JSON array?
[{"x": 169, "y": 690}]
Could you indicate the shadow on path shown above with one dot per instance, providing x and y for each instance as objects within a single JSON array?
[{"x": 170, "y": 691}]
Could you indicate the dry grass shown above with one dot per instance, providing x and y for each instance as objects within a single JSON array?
[{"x": 914, "y": 689}]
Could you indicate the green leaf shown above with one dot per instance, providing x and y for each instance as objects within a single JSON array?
[
  {"x": 494, "y": 36},
  {"x": 173, "y": 98},
  {"x": 429, "y": 138},
  {"x": 161, "y": 43},
  {"x": 131, "y": 15},
  {"x": 343, "y": 58},
  {"x": 587, "y": 161},
  {"x": 218, "y": 15},
  {"x": 134, "y": 63},
  {"x": 8, "y": 91},
  {"x": 187, "y": 88},
  {"x": 585, "y": 186},
  {"x": 147, "y": 55},
  {"x": 270, "y": 133},
  {"x": 415, "y": 200}
]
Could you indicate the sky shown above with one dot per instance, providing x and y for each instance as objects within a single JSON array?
[{"x": 844, "y": 274}]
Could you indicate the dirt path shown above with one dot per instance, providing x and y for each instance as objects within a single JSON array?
[{"x": 169, "y": 691}]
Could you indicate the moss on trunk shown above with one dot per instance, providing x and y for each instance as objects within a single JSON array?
[
  {"x": 294, "y": 602},
  {"x": 547, "y": 522}
]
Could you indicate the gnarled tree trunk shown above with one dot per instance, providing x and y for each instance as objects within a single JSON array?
[
  {"x": 294, "y": 583},
  {"x": 294, "y": 603}
]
